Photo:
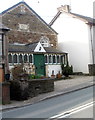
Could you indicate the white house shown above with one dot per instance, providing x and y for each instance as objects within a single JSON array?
[{"x": 75, "y": 36}]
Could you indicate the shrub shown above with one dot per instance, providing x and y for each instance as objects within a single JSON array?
[
  {"x": 17, "y": 71},
  {"x": 67, "y": 70},
  {"x": 19, "y": 90},
  {"x": 31, "y": 76}
]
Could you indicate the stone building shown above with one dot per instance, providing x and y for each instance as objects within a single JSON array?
[
  {"x": 32, "y": 41},
  {"x": 26, "y": 25}
]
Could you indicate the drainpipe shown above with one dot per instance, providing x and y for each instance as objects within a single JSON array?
[{"x": 92, "y": 44}]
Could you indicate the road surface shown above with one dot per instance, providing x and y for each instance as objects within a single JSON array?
[{"x": 54, "y": 106}]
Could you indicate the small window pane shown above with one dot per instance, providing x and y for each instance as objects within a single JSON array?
[
  {"x": 54, "y": 59},
  {"x": 10, "y": 58},
  {"x": 50, "y": 59},
  {"x": 58, "y": 61},
  {"x": 61, "y": 59},
  {"x": 25, "y": 58},
  {"x": 46, "y": 59},
  {"x": 30, "y": 58},
  {"x": 20, "y": 59},
  {"x": 15, "y": 58}
]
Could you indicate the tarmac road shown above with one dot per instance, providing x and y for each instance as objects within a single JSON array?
[{"x": 53, "y": 106}]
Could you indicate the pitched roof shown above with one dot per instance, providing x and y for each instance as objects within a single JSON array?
[
  {"x": 32, "y": 46},
  {"x": 53, "y": 50},
  {"x": 3, "y": 27},
  {"x": 16, "y": 47},
  {"x": 5, "y": 11},
  {"x": 29, "y": 48},
  {"x": 87, "y": 20},
  {"x": 19, "y": 48}
]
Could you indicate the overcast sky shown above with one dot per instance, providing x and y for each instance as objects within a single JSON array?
[{"x": 48, "y": 8}]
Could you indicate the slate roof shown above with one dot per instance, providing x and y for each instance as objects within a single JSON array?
[
  {"x": 29, "y": 48},
  {"x": 20, "y": 48},
  {"x": 32, "y": 46},
  {"x": 53, "y": 50},
  {"x": 86, "y": 19},
  {"x": 3, "y": 27},
  {"x": 22, "y": 2}
]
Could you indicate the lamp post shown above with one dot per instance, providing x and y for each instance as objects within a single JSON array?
[
  {"x": 3, "y": 50},
  {"x": 5, "y": 86}
]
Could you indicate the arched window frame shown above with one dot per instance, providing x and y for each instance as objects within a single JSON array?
[
  {"x": 15, "y": 58},
  {"x": 30, "y": 58},
  {"x": 25, "y": 58},
  {"x": 50, "y": 59},
  {"x": 20, "y": 58},
  {"x": 54, "y": 59},
  {"x": 44, "y": 41},
  {"x": 10, "y": 58}
]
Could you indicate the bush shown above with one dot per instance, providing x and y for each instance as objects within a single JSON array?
[
  {"x": 67, "y": 70},
  {"x": 19, "y": 90},
  {"x": 17, "y": 71},
  {"x": 31, "y": 76}
]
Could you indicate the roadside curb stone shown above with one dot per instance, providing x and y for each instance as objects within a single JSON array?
[{"x": 55, "y": 93}]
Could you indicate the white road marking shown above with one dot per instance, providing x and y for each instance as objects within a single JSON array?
[{"x": 72, "y": 111}]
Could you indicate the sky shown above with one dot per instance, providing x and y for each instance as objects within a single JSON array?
[{"x": 47, "y": 9}]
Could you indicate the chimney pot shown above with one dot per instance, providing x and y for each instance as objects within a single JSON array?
[{"x": 65, "y": 8}]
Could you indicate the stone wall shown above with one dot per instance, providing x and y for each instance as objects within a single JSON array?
[
  {"x": 27, "y": 27},
  {"x": 21, "y": 90},
  {"x": 91, "y": 69},
  {"x": 40, "y": 86}
]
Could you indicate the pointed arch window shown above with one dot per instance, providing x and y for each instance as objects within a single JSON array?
[
  {"x": 10, "y": 58},
  {"x": 14, "y": 58},
  {"x": 30, "y": 59},
  {"x": 50, "y": 58},
  {"x": 25, "y": 58},
  {"x": 54, "y": 59},
  {"x": 20, "y": 58},
  {"x": 46, "y": 58},
  {"x": 45, "y": 41},
  {"x": 58, "y": 59}
]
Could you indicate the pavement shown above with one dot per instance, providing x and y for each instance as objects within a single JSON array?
[{"x": 60, "y": 87}]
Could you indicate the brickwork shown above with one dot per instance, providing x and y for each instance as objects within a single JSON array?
[
  {"x": 1, "y": 75},
  {"x": 5, "y": 93},
  {"x": 27, "y": 27}
]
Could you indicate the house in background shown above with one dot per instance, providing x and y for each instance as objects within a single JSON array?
[
  {"x": 32, "y": 41},
  {"x": 75, "y": 36}
]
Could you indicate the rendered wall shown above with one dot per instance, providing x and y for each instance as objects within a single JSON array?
[
  {"x": 73, "y": 38},
  {"x": 55, "y": 68}
]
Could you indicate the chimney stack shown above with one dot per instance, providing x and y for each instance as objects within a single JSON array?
[{"x": 65, "y": 8}]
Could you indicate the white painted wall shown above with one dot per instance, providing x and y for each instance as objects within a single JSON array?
[
  {"x": 93, "y": 43},
  {"x": 39, "y": 48},
  {"x": 50, "y": 68},
  {"x": 73, "y": 38}
]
